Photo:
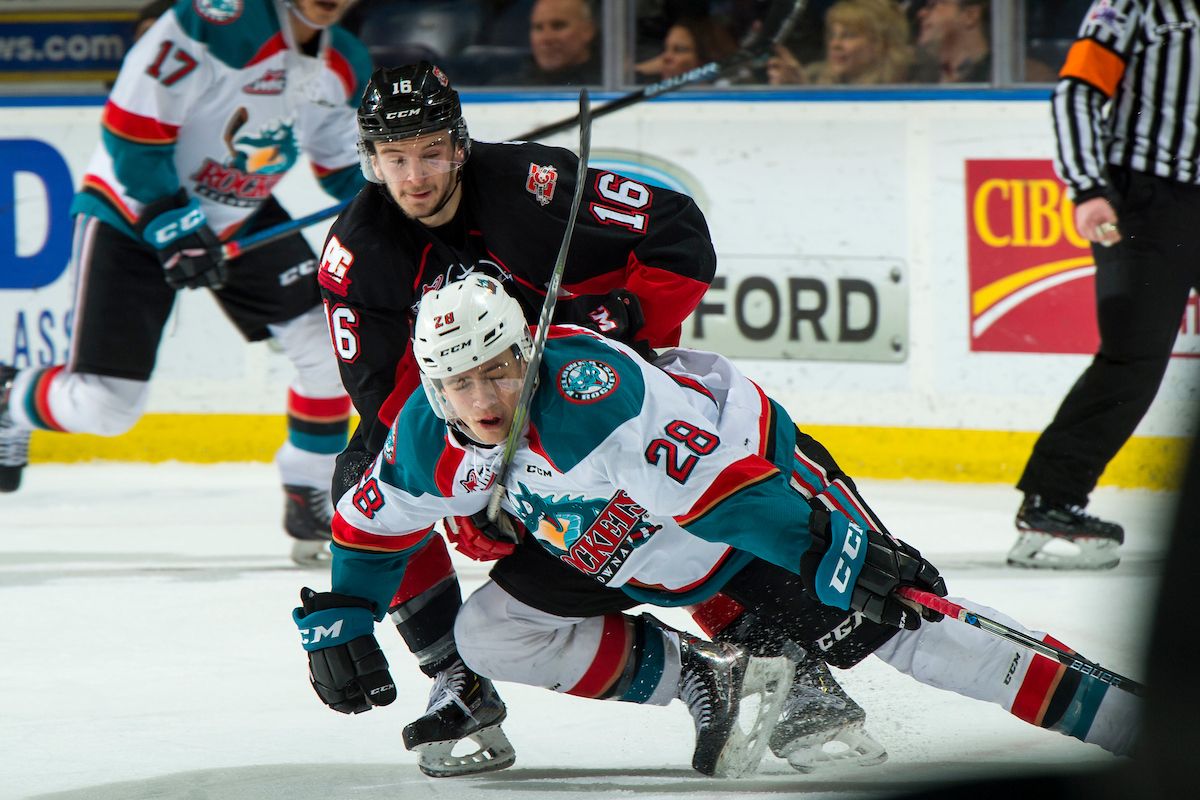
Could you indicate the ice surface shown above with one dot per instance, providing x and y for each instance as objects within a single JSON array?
[{"x": 147, "y": 651}]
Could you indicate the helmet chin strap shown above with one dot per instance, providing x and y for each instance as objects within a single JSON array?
[{"x": 295, "y": 10}]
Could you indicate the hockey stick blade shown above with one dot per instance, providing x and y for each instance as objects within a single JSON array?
[
  {"x": 1065, "y": 657},
  {"x": 747, "y": 56},
  {"x": 521, "y": 412}
]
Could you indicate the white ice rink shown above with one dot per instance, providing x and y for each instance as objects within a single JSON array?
[{"x": 147, "y": 651}]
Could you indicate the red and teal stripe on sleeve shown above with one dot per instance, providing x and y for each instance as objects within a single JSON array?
[
  {"x": 375, "y": 573},
  {"x": 143, "y": 153},
  {"x": 341, "y": 183}
]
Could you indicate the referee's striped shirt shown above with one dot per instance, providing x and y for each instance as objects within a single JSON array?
[{"x": 1144, "y": 56}]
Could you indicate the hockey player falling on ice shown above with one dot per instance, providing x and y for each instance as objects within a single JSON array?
[
  {"x": 672, "y": 481},
  {"x": 213, "y": 105},
  {"x": 442, "y": 205}
]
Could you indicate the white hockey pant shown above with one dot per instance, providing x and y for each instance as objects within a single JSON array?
[
  {"x": 968, "y": 661},
  {"x": 507, "y": 640}
]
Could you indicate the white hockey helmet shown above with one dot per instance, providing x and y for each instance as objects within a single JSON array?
[{"x": 463, "y": 326}]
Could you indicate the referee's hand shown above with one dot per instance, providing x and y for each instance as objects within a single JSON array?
[{"x": 1096, "y": 221}]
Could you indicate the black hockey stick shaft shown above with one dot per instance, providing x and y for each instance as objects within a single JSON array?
[
  {"x": 525, "y": 400},
  {"x": 1067, "y": 658},
  {"x": 705, "y": 72},
  {"x": 238, "y": 247}
]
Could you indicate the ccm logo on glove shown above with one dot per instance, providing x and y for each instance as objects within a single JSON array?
[
  {"x": 171, "y": 229},
  {"x": 843, "y": 571}
]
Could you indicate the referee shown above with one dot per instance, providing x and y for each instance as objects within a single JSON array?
[{"x": 1126, "y": 116}]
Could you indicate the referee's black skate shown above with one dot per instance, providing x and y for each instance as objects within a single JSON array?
[
  {"x": 462, "y": 706},
  {"x": 14, "y": 442},
  {"x": 307, "y": 515},
  {"x": 713, "y": 680},
  {"x": 1062, "y": 536},
  {"x": 821, "y": 725}
]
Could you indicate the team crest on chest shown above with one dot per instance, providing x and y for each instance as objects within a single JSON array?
[
  {"x": 478, "y": 480},
  {"x": 586, "y": 381},
  {"x": 221, "y": 12},
  {"x": 541, "y": 183}
]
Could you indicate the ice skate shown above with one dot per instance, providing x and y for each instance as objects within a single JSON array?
[
  {"x": 462, "y": 706},
  {"x": 714, "y": 679},
  {"x": 1062, "y": 536},
  {"x": 821, "y": 725},
  {"x": 14, "y": 442},
  {"x": 307, "y": 515}
]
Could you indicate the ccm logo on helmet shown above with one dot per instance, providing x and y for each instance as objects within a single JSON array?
[
  {"x": 410, "y": 112},
  {"x": 453, "y": 349}
]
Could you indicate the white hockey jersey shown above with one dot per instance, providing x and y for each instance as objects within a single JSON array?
[
  {"x": 660, "y": 479},
  {"x": 217, "y": 99}
]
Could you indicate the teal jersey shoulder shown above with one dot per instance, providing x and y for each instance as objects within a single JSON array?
[
  {"x": 410, "y": 459},
  {"x": 586, "y": 390},
  {"x": 344, "y": 43},
  {"x": 233, "y": 30}
]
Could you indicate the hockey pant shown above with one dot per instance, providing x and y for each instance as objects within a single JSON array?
[
  {"x": 615, "y": 656},
  {"x": 318, "y": 409}
]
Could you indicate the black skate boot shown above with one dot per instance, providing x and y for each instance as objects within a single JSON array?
[
  {"x": 713, "y": 679},
  {"x": 1088, "y": 542},
  {"x": 307, "y": 514},
  {"x": 462, "y": 705},
  {"x": 14, "y": 442},
  {"x": 816, "y": 713}
]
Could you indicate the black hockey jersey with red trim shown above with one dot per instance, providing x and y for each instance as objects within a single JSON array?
[{"x": 377, "y": 263}]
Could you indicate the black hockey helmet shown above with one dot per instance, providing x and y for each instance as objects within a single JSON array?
[{"x": 410, "y": 101}]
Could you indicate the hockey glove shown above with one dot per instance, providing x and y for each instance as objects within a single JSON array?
[
  {"x": 345, "y": 665},
  {"x": 479, "y": 538},
  {"x": 188, "y": 249},
  {"x": 850, "y": 568},
  {"x": 617, "y": 315}
]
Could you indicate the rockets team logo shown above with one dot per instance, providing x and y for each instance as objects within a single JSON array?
[
  {"x": 221, "y": 12},
  {"x": 586, "y": 381},
  {"x": 541, "y": 183}
]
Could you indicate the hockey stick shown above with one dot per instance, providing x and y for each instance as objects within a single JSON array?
[
  {"x": 749, "y": 54},
  {"x": 525, "y": 400},
  {"x": 238, "y": 247},
  {"x": 1070, "y": 660}
]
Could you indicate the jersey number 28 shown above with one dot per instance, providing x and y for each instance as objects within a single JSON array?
[{"x": 700, "y": 442}]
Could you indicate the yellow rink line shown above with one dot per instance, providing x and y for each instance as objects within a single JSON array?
[{"x": 941, "y": 454}]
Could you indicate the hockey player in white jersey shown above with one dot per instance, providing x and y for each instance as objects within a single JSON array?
[
  {"x": 213, "y": 105},
  {"x": 672, "y": 481}
]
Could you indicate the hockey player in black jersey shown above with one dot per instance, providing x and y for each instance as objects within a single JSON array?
[{"x": 439, "y": 206}]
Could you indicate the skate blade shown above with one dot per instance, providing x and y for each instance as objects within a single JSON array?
[
  {"x": 845, "y": 746},
  {"x": 494, "y": 752},
  {"x": 1034, "y": 550},
  {"x": 768, "y": 681},
  {"x": 309, "y": 553}
]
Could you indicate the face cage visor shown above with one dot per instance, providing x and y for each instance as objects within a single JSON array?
[{"x": 414, "y": 155}]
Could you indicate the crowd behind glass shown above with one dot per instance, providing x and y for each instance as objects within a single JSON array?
[{"x": 618, "y": 44}]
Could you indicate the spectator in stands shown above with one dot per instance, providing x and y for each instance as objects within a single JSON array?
[
  {"x": 562, "y": 41},
  {"x": 952, "y": 42},
  {"x": 866, "y": 42},
  {"x": 689, "y": 43},
  {"x": 148, "y": 15}
]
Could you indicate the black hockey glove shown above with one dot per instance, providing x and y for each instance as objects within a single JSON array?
[
  {"x": 188, "y": 249},
  {"x": 345, "y": 664},
  {"x": 617, "y": 315},
  {"x": 854, "y": 569}
]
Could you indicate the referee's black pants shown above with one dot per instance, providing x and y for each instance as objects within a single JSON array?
[{"x": 1142, "y": 286}]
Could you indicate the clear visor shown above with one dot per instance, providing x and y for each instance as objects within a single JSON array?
[
  {"x": 492, "y": 388},
  {"x": 420, "y": 157}
]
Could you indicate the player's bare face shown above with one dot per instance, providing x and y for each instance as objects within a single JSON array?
[
  {"x": 485, "y": 398},
  {"x": 322, "y": 13},
  {"x": 420, "y": 175}
]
